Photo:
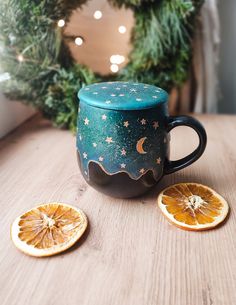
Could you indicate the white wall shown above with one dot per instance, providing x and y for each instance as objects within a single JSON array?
[{"x": 12, "y": 114}]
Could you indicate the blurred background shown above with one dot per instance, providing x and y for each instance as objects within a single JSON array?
[{"x": 102, "y": 42}]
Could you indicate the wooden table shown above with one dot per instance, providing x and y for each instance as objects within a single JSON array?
[{"x": 130, "y": 255}]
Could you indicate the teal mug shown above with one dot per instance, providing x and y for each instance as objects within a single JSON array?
[{"x": 123, "y": 137}]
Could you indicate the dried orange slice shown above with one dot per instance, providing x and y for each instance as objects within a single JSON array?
[
  {"x": 193, "y": 206},
  {"x": 48, "y": 229}
]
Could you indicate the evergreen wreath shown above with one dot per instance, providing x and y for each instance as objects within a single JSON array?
[{"x": 43, "y": 73}]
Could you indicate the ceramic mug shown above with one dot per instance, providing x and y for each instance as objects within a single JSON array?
[{"x": 123, "y": 137}]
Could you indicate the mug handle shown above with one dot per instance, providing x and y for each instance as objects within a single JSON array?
[{"x": 174, "y": 121}]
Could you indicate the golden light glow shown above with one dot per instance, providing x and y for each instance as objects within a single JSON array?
[
  {"x": 20, "y": 58},
  {"x": 97, "y": 15},
  {"x": 114, "y": 68},
  {"x": 117, "y": 59},
  {"x": 122, "y": 29},
  {"x": 79, "y": 41},
  {"x": 61, "y": 23}
]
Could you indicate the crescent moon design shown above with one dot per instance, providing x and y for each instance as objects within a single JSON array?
[{"x": 139, "y": 146}]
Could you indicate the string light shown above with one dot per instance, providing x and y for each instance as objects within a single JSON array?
[
  {"x": 61, "y": 23},
  {"x": 122, "y": 29},
  {"x": 117, "y": 59},
  {"x": 20, "y": 58},
  {"x": 114, "y": 68},
  {"x": 79, "y": 41},
  {"x": 97, "y": 15}
]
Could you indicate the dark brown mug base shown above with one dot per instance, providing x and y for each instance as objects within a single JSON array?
[{"x": 118, "y": 185}]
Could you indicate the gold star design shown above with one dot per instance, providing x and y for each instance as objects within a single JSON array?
[
  {"x": 94, "y": 144},
  {"x": 143, "y": 122},
  {"x": 126, "y": 123},
  {"x": 123, "y": 152},
  {"x": 104, "y": 117},
  {"x": 142, "y": 170},
  {"x": 100, "y": 158},
  {"x": 158, "y": 160},
  {"x": 109, "y": 140},
  {"x": 123, "y": 165},
  {"x": 155, "y": 125},
  {"x": 86, "y": 121},
  {"x": 85, "y": 155}
]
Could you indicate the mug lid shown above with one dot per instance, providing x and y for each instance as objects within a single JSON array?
[{"x": 122, "y": 95}]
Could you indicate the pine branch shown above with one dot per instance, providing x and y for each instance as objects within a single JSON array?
[{"x": 43, "y": 73}]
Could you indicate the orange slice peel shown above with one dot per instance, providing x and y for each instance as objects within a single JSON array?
[
  {"x": 48, "y": 229},
  {"x": 193, "y": 206}
]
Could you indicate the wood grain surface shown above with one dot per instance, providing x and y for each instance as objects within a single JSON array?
[{"x": 130, "y": 254}]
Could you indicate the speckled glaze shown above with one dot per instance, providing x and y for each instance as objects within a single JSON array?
[{"x": 122, "y": 137}]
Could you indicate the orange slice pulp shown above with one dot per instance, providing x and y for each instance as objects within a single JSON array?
[
  {"x": 48, "y": 229},
  {"x": 192, "y": 206}
]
